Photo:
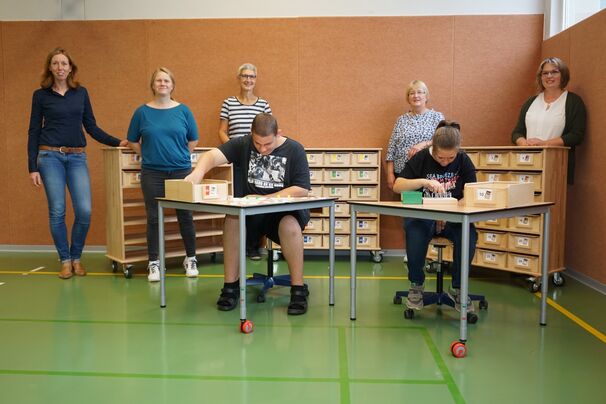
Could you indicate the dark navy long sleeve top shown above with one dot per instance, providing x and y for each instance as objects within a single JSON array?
[{"x": 57, "y": 120}]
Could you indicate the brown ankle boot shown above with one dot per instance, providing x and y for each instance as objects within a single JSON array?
[
  {"x": 66, "y": 270},
  {"x": 79, "y": 268}
]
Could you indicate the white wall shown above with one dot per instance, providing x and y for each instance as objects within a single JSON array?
[{"x": 179, "y": 9}]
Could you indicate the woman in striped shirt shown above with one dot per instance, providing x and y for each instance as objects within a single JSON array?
[{"x": 237, "y": 114}]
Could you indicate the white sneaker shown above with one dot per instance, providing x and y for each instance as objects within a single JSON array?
[
  {"x": 415, "y": 297},
  {"x": 455, "y": 295},
  {"x": 191, "y": 267},
  {"x": 154, "y": 271}
]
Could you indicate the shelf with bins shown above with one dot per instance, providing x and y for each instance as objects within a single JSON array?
[
  {"x": 126, "y": 217},
  {"x": 514, "y": 244},
  {"x": 348, "y": 174}
]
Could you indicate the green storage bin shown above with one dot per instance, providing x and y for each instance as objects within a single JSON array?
[{"x": 412, "y": 197}]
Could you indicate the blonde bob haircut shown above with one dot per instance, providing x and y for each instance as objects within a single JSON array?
[
  {"x": 417, "y": 85},
  {"x": 560, "y": 65},
  {"x": 158, "y": 71}
]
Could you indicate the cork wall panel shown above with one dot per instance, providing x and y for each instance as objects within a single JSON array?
[
  {"x": 353, "y": 73},
  {"x": 494, "y": 65},
  {"x": 205, "y": 55},
  {"x": 4, "y": 179},
  {"x": 111, "y": 58},
  {"x": 586, "y": 216}
]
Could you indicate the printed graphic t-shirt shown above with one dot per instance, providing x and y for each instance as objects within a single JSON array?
[{"x": 454, "y": 176}]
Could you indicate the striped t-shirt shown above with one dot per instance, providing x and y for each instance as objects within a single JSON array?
[{"x": 239, "y": 117}]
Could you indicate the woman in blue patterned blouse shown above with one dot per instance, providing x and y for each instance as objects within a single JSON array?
[{"x": 412, "y": 132}]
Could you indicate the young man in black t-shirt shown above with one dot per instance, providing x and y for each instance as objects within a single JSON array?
[
  {"x": 271, "y": 164},
  {"x": 442, "y": 169}
]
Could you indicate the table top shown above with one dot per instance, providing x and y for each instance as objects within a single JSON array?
[
  {"x": 465, "y": 210},
  {"x": 256, "y": 201}
]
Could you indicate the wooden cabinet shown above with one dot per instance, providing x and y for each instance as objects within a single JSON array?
[
  {"x": 349, "y": 174},
  {"x": 515, "y": 244},
  {"x": 126, "y": 218}
]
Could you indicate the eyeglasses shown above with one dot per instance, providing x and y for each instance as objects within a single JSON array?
[
  {"x": 547, "y": 73},
  {"x": 451, "y": 124},
  {"x": 248, "y": 76}
]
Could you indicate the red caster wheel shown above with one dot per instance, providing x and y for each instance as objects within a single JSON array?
[
  {"x": 246, "y": 326},
  {"x": 458, "y": 349}
]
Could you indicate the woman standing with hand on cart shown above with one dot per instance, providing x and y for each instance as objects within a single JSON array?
[
  {"x": 57, "y": 156},
  {"x": 164, "y": 133}
]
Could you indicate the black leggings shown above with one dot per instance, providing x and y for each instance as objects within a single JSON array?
[{"x": 152, "y": 185}]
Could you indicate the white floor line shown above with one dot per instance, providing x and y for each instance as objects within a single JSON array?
[{"x": 33, "y": 270}]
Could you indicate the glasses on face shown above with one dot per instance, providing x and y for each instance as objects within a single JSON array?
[
  {"x": 547, "y": 73},
  {"x": 248, "y": 76}
]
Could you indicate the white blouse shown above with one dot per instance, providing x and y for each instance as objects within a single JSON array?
[{"x": 546, "y": 120}]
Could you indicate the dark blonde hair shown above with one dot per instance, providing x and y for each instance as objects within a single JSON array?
[
  {"x": 417, "y": 84},
  {"x": 447, "y": 136},
  {"x": 48, "y": 79},
  {"x": 264, "y": 125},
  {"x": 159, "y": 70},
  {"x": 560, "y": 65}
]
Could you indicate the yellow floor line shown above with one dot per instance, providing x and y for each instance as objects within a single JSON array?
[{"x": 576, "y": 319}]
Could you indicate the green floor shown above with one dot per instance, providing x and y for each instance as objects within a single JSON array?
[{"x": 104, "y": 339}]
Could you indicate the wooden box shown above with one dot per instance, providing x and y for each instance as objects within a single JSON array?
[
  {"x": 364, "y": 192},
  {"x": 364, "y": 175},
  {"x": 366, "y": 226},
  {"x": 341, "y": 241},
  {"x": 494, "y": 224},
  {"x": 494, "y": 159},
  {"x": 316, "y": 190},
  {"x": 528, "y": 177},
  {"x": 336, "y": 191},
  {"x": 315, "y": 159},
  {"x": 181, "y": 190},
  {"x": 367, "y": 241},
  {"x": 131, "y": 160},
  {"x": 493, "y": 176},
  {"x": 526, "y": 223},
  {"x": 341, "y": 209},
  {"x": 316, "y": 175},
  {"x": 341, "y": 225},
  {"x": 365, "y": 159},
  {"x": 525, "y": 159},
  {"x": 337, "y": 158},
  {"x": 131, "y": 179},
  {"x": 525, "y": 243},
  {"x": 494, "y": 259},
  {"x": 492, "y": 239},
  {"x": 314, "y": 225},
  {"x": 498, "y": 194},
  {"x": 336, "y": 175},
  {"x": 312, "y": 240},
  {"x": 524, "y": 263}
]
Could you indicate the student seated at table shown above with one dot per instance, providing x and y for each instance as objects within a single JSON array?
[
  {"x": 440, "y": 169},
  {"x": 271, "y": 165}
]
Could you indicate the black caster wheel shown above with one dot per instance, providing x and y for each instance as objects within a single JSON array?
[
  {"x": 558, "y": 279},
  {"x": 409, "y": 314},
  {"x": 397, "y": 299},
  {"x": 483, "y": 304},
  {"x": 260, "y": 298},
  {"x": 376, "y": 256},
  {"x": 472, "y": 318},
  {"x": 534, "y": 287},
  {"x": 128, "y": 271},
  {"x": 114, "y": 266}
]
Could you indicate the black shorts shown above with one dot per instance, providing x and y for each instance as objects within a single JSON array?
[{"x": 267, "y": 224}]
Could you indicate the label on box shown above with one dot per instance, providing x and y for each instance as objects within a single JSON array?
[
  {"x": 363, "y": 191},
  {"x": 338, "y": 241},
  {"x": 336, "y": 174},
  {"x": 493, "y": 177},
  {"x": 311, "y": 158},
  {"x": 484, "y": 194},
  {"x": 362, "y": 240},
  {"x": 522, "y": 262},
  {"x": 525, "y": 158},
  {"x": 135, "y": 158},
  {"x": 492, "y": 257},
  {"x": 524, "y": 221},
  {"x": 363, "y": 175},
  {"x": 335, "y": 191},
  {"x": 493, "y": 221},
  {"x": 363, "y": 158},
  {"x": 362, "y": 224},
  {"x": 336, "y": 158},
  {"x": 524, "y": 178},
  {"x": 338, "y": 225},
  {"x": 494, "y": 158},
  {"x": 522, "y": 241},
  {"x": 308, "y": 239},
  {"x": 211, "y": 191},
  {"x": 490, "y": 237},
  {"x": 138, "y": 177}
]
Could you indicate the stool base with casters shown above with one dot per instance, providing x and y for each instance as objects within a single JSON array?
[
  {"x": 440, "y": 297},
  {"x": 268, "y": 280}
]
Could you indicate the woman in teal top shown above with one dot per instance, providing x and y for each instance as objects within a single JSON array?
[{"x": 164, "y": 133}]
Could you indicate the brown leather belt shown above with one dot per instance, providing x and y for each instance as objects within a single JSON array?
[{"x": 63, "y": 149}]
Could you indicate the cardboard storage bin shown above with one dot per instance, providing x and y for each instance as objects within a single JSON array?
[
  {"x": 525, "y": 243},
  {"x": 316, "y": 190},
  {"x": 532, "y": 178},
  {"x": 494, "y": 159},
  {"x": 341, "y": 241},
  {"x": 365, "y": 159},
  {"x": 364, "y": 175},
  {"x": 366, "y": 241},
  {"x": 315, "y": 159},
  {"x": 498, "y": 194},
  {"x": 181, "y": 190},
  {"x": 312, "y": 240},
  {"x": 492, "y": 259},
  {"x": 336, "y": 191},
  {"x": 525, "y": 263},
  {"x": 337, "y": 158},
  {"x": 492, "y": 239},
  {"x": 314, "y": 225},
  {"x": 341, "y": 225},
  {"x": 530, "y": 223},
  {"x": 366, "y": 225},
  {"x": 364, "y": 192},
  {"x": 526, "y": 159},
  {"x": 494, "y": 224},
  {"x": 316, "y": 175},
  {"x": 336, "y": 175},
  {"x": 493, "y": 176}
]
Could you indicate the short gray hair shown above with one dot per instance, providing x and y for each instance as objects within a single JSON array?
[{"x": 247, "y": 66}]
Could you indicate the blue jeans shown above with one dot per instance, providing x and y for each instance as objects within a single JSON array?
[
  {"x": 419, "y": 233},
  {"x": 58, "y": 170}
]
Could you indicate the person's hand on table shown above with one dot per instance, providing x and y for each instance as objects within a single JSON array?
[
  {"x": 434, "y": 186},
  {"x": 194, "y": 177}
]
